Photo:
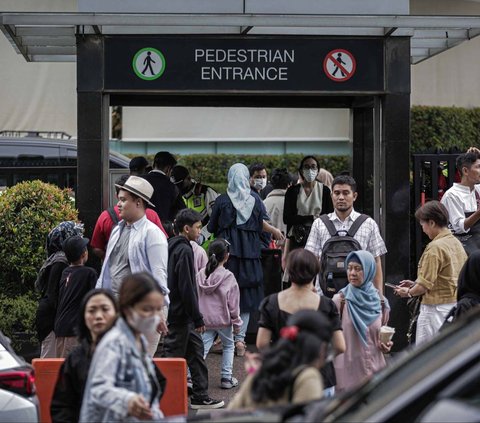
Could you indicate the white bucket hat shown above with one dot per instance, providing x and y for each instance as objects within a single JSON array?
[{"x": 138, "y": 186}]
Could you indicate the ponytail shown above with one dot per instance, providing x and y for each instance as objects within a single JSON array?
[
  {"x": 211, "y": 265},
  {"x": 217, "y": 251}
]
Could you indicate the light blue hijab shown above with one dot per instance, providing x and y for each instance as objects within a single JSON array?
[
  {"x": 239, "y": 192},
  {"x": 363, "y": 302}
]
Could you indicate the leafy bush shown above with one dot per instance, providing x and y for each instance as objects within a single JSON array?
[
  {"x": 444, "y": 128},
  {"x": 17, "y": 319},
  {"x": 28, "y": 212}
]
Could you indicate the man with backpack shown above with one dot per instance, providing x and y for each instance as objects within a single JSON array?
[{"x": 335, "y": 235}]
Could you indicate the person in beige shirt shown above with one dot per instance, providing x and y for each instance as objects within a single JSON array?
[
  {"x": 289, "y": 372},
  {"x": 438, "y": 271}
]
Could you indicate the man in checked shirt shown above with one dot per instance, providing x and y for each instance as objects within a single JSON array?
[{"x": 344, "y": 194}]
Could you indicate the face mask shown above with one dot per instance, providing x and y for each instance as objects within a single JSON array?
[
  {"x": 141, "y": 324},
  {"x": 310, "y": 174},
  {"x": 259, "y": 183}
]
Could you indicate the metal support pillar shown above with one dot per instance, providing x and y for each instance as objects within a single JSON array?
[
  {"x": 395, "y": 168},
  {"x": 93, "y": 132}
]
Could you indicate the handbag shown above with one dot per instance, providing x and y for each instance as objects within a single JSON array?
[{"x": 413, "y": 305}]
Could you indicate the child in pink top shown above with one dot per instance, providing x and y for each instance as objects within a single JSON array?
[{"x": 219, "y": 303}]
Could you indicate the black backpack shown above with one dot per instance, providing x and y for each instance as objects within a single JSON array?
[
  {"x": 113, "y": 216},
  {"x": 333, "y": 275}
]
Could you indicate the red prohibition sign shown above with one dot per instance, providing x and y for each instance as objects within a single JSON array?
[{"x": 339, "y": 65}]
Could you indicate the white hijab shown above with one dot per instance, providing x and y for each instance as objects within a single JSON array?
[{"x": 239, "y": 192}]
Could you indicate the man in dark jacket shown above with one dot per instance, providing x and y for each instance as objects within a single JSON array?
[
  {"x": 166, "y": 196},
  {"x": 185, "y": 322}
]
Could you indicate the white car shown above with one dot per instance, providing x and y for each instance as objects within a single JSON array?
[{"x": 18, "y": 401}]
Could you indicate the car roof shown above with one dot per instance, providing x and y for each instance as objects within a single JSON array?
[{"x": 30, "y": 146}]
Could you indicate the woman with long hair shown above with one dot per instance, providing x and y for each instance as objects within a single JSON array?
[
  {"x": 97, "y": 313},
  {"x": 289, "y": 372},
  {"x": 360, "y": 310},
  {"x": 123, "y": 383},
  {"x": 275, "y": 309}
]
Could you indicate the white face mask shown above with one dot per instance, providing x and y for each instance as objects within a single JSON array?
[
  {"x": 260, "y": 183},
  {"x": 310, "y": 174},
  {"x": 142, "y": 324}
]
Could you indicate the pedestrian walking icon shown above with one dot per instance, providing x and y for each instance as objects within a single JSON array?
[
  {"x": 339, "y": 65},
  {"x": 148, "y": 63}
]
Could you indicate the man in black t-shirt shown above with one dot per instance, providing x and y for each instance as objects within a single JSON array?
[{"x": 76, "y": 281}]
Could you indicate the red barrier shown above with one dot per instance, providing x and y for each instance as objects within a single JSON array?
[{"x": 174, "y": 401}]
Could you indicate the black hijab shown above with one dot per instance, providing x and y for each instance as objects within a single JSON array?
[{"x": 469, "y": 278}]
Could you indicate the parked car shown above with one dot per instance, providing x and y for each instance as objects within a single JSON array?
[
  {"x": 18, "y": 401},
  {"x": 438, "y": 381},
  {"x": 47, "y": 156}
]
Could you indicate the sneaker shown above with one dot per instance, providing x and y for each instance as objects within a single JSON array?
[
  {"x": 189, "y": 385},
  {"x": 217, "y": 347},
  {"x": 228, "y": 383},
  {"x": 240, "y": 348},
  {"x": 205, "y": 403}
]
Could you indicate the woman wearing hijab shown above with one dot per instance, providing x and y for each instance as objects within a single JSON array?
[
  {"x": 48, "y": 282},
  {"x": 237, "y": 217},
  {"x": 468, "y": 290},
  {"x": 361, "y": 315}
]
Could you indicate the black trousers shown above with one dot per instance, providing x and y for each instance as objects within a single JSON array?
[{"x": 182, "y": 341}]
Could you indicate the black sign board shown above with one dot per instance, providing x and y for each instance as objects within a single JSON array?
[{"x": 233, "y": 64}]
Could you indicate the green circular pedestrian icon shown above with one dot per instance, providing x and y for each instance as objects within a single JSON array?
[{"x": 148, "y": 63}]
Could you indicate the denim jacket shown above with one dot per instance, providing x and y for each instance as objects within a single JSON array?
[
  {"x": 117, "y": 373},
  {"x": 147, "y": 252}
]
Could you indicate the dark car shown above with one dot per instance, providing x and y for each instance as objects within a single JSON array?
[
  {"x": 47, "y": 156},
  {"x": 438, "y": 381}
]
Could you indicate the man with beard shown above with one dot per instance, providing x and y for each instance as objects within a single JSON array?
[{"x": 344, "y": 194}]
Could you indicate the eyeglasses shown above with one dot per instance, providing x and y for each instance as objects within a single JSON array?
[{"x": 354, "y": 268}]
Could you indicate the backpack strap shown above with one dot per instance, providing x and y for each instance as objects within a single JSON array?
[
  {"x": 328, "y": 223},
  {"x": 356, "y": 225},
  {"x": 113, "y": 215}
]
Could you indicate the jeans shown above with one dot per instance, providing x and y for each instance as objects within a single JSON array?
[
  {"x": 240, "y": 336},
  {"x": 182, "y": 341},
  {"x": 226, "y": 335}
]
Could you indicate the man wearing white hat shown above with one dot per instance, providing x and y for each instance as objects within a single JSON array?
[{"x": 136, "y": 244}]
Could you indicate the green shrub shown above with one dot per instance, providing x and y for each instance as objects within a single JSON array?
[
  {"x": 17, "y": 319},
  {"x": 444, "y": 128},
  {"x": 28, "y": 212}
]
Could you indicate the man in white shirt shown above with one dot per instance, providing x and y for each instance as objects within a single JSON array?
[
  {"x": 135, "y": 245},
  {"x": 462, "y": 199},
  {"x": 344, "y": 194}
]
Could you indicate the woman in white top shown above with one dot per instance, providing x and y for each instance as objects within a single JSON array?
[{"x": 304, "y": 202}]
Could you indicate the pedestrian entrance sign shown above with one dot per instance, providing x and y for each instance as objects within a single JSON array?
[
  {"x": 339, "y": 65},
  {"x": 148, "y": 63}
]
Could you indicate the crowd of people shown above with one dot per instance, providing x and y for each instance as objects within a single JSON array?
[{"x": 182, "y": 274}]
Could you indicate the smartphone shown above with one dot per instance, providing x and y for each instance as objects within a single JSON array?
[{"x": 392, "y": 285}]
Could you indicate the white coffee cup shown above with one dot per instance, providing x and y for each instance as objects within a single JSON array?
[{"x": 386, "y": 334}]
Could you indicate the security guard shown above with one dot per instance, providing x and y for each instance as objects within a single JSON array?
[{"x": 198, "y": 197}]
